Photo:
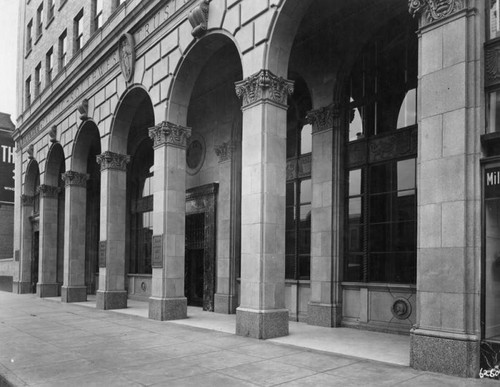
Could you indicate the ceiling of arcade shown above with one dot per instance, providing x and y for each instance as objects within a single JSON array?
[{"x": 330, "y": 37}]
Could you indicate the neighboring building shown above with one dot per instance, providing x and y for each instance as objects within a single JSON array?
[
  {"x": 7, "y": 265},
  {"x": 331, "y": 162}
]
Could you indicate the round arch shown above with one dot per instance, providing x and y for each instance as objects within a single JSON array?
[
  {"x": 87, "y": 139},
  {"x": 30, "y": 180},
  {"x": 55, "y": 158}
]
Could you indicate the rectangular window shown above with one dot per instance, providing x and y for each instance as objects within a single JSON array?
[
  {"x": 29, "y": 36},
  {"x": 494, "y": 21},
  {"x": 49, "y": 66},
  {"x": 27, "y": 90},
  {"x": 63, "y": 50},
  {"x": 50, "y": 10},
  {"x": 78, "y": 32},
  {"x": 38, "y": 79},
  {"x": 39, "y": 21},
  {"x": 117, "y": 3},
  {"x": 97, "y": 12}
]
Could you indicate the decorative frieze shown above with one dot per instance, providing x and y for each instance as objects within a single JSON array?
[
  {"x": 198, "y": 17},
  {"x": 433, "y": 10},
  {"x": 75, "y": 179},
  {"x": 48, "y": 191},
  {"x": 27, "y": 200},
  {"x": 264, "y": 86},
  {"x": 225, "y": 151},
  {"x": 111, "y": 160},
  {"x": 324, "y": 118},
  {"x": 167, "y": 133}
]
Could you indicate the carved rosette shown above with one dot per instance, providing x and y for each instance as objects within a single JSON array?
[
  {"x": 72, "y": 178},
  {"x": 27, "y": 200},
  {"x": 111, "y": 160},
  {"x": 434, "y": 10},
  {"x": 225, "y": 151},
  {"x": 324, "y": 118},
  {"x": 264, "y": 86},
  {"x": 167, "y": 133},
  {"x": 48, "y": 191},
  {"x": 198, "y": 18}
]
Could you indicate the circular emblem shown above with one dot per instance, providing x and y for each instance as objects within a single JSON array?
[
  {"x": 143, "y": 286},
  {"x": 195, "y": 153},
  {"x": 126, "y": 52},
  {"x": 401, "y": 308}
]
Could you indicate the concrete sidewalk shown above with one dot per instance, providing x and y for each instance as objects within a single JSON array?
[{"x": 46, "y": 343}]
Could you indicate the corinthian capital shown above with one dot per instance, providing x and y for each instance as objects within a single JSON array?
[
  {"x": 264, "y": 86},
  {"x": 324, "y": 118},
  {"x": 225, "y": 151},
  {"x": 432, "y": 10},
  {"x": 167, "y": 133},
  {"x": 111, "y": 160},
  {"x": 75, "y": 179},
  {"x": 48, "y": 191}
]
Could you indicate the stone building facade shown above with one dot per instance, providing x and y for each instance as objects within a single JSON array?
[{"x": 311, "y": 160}]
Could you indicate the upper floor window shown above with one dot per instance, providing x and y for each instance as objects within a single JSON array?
[
  {"x": 117, "y": 3},
  {"x": 97, "y": 12},
  {"x": 493, "y": 7},
  {"x": 78, "y": 31},
  {"x": 29, "y": 36},
  {"x": 39, "y": 20},
  {"x": 50, "y": 10},
  {"x": 49, "y": 66},
  {"x": 63, "y": 50},
  {"x": 27, "y": 90},
  {"x": 38, "y": 79}
]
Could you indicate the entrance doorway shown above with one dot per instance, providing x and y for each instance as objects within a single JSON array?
[
  {"x": 195, "y": 259},
  {"x": 34, "y": 261}
]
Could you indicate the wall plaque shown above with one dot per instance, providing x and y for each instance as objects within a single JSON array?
[
  {"x": 102, "y": 253},
  {"x": 126, "y": 52},
  {"x": 157, "y": 260}
]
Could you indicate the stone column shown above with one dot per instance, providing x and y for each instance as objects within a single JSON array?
[
  {"x": 47, "y": 278},
  {"x": 167, "y": 301},
  {"x": 226, "y": 299},
  {"x": 446, "y": 335},
  {"x": 74, "y": 289},
  {"x": 111, "y": 293},
  {"x": 262, "y": 313},
  {"x": 22, "y": 282},
  {"x": 325, "y": 306}
]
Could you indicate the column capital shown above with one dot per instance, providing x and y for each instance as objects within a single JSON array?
[
  {"x": 48, "y": 191},
  {"x": 72, "y": 178},
  {"x": 324, "y": 118},
  {"x": 430, "y": 11},
  {"x": 27, "y": 200},
  {"x": 264, "y": 85},
  {"x": 168, "y": 133},
  {"x": 225, "y": 151},
  {"x": 111, "y": 160}
]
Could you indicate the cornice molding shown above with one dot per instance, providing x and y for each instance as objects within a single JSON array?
[
  {"x": 264, "y": 85},
  {"x": 167, "y": 133}
]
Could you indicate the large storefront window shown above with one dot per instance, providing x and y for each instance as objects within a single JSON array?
[
  {"x": 298, "y": 187},
  {"x": 381, "y": 185}
]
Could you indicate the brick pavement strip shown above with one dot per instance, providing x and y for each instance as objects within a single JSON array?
[{"x": 46, "y": 343}]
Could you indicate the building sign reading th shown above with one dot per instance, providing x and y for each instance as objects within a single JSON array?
[
  {"x": 6, "y": 167},
  {"x": 492, "y": 183}
]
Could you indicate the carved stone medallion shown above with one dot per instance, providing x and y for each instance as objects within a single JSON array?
[
  {"x": 195, "y": 153},
  {"x": 126, "y": 52},
  {"x": 401, "y": 309}
]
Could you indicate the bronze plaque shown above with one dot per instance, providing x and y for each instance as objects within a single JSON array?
[
  {"x": 102, "y": 253},
  {"x": 157, "y": 260}
]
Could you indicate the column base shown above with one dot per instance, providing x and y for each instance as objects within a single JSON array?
[
  {"x": 261, "y": 324},
  {"x": 225, "y": 303},
  {"x": 74, "y": 294},
  {"x": 163, "y": 309},
  {"x": 450, "y": 354},
  {"x": 47, "y": 290},
  {"x": 324, "y": 315},
  {"x": 106, "y": 299},
  {"x": 21, "y": 287}
]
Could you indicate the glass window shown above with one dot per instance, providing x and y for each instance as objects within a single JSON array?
[
  {"x": 63, "y": 50},
  {"x": 27, "y": 89},
  {"x": 38, "y": 79},
  {"x": 50, "y": 10},
  {"x": 97, "y": 9},
  {"x": 29, "y": 36},
  {"x": 494, "y": 22},
  {"x": 408, "y": 110},
  {"x": 49, "y": 66},
  {"x": 39, "y": 20},
  {"x": 78, "y": 32}
]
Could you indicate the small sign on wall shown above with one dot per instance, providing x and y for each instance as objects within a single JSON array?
[
  {"x": 102, "y": 253},
  {"x": 157, "y": 260},
  {"x": 492, "y": 183}
]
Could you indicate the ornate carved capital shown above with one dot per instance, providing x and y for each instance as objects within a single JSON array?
[
  {"x": 167, "y": 133},
  {"x": 111, "y": 160},
  {"x": 432, "y": 10},
  {"x": 225, "y": 151},
  {"x": 75, "y": 179},
  {"x": 264, "y": 86},
  {"x": 48, "y": 191},
  {"x": 27, "y": 200},
  {"x": 324, "y": 118},
  {"x": 198, "y": 17}
]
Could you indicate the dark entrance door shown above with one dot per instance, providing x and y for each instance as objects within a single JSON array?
[
  {"x": 195, "y": 242},
  {"x": 34, "y": 261}
]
